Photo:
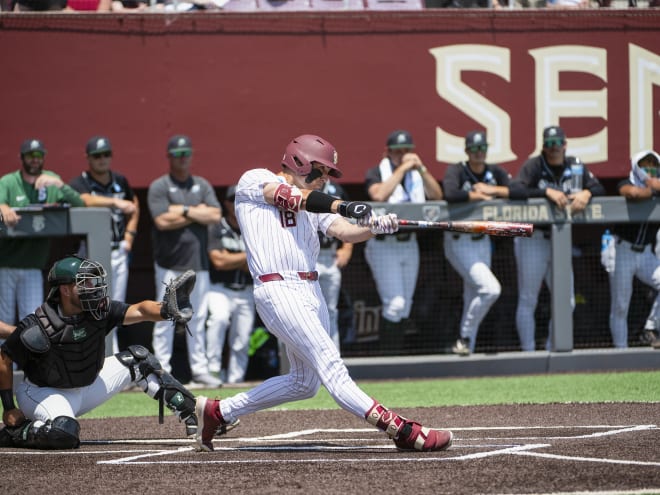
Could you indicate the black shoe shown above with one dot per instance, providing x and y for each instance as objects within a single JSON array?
[
  {"x": 461, "y": 347},
  {"x": 191, "y": 425},
  {"x": 650, "y": 337}
]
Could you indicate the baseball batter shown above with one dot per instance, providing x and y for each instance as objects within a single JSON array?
[
  {"x": 61, "y": 349},
  {"x": 471, "y": 254},
  {"x": 634, "y": 252},
  {"x": 549, "y": 175},
  {"x": 280, "y": 215}
]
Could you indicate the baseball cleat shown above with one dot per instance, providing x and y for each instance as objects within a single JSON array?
[
  {"x": 191, "y": 425},
  {"x": 414, "y": 436},
  {"x": 225, "y": 428},
  {"x": 209, "y": 420},
  {"x": 649, "y": 337},
  {"x": 461, "y": 347}
]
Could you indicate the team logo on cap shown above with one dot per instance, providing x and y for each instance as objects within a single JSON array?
[
  {"x": 100, "y": 143},
  {"x": 34, "y": 144},
  {"x": 335, "y": 157},
  {"x": 181, "y": 142},
  {"x": 552, "y": 131},
  {"x": 478, "y": 137}
]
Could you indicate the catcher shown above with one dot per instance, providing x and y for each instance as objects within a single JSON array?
[{"x": 61, "y": 349}]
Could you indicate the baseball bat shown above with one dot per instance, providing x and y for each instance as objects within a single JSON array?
[{"x": 501, "y": 229}]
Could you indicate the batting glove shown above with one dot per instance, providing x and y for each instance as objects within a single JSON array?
[
  {"x": 382, "y": 224},
  {"x": 354, "y": 209}
]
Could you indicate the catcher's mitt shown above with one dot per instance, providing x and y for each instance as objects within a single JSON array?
[{"x": 176, "y": 301}]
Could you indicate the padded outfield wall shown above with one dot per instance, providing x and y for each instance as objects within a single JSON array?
[{"x": 242, "y": 85}]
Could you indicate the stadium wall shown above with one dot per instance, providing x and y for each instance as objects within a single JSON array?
[{"x": 242, "y": 85}]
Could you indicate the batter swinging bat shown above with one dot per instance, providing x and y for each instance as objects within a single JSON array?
[{"x": 501, "y": 229}]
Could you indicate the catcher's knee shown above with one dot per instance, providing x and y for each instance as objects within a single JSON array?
[
  {"x": 148, "y": 373},
  {"x": 139, "y": 361}
]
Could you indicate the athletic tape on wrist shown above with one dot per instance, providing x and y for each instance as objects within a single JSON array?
[
  {"x": 7, "y": 397},
  {"x": 318, "y": 202},
  {"x": 287, "y": 198}
]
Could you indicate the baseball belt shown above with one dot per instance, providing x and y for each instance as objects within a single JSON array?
[{"x": 272, "y": 277}]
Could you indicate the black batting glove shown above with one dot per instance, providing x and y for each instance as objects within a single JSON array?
[{"x": 354, "y": 209}]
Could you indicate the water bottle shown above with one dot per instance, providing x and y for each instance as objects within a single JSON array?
[
  {"x": 607, "y": 251},
  {"x": 42, "y": 195},
  {"x": 577, "y": 171}
]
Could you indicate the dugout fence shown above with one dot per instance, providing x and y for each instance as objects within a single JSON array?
[{"x": 436, "y": 313}]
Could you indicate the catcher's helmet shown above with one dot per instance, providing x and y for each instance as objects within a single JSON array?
[
  {"x": 90, "y": 280},
  {"x": 306, "y": 149}
]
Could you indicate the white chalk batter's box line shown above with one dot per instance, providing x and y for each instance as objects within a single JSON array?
[
  {"x": 261, "y": 444},
  {"x": 519, "y": 449}
]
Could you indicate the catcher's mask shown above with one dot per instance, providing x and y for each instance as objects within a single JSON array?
[
  {"x": 304, "y": 150},
  {"x": 90, "y": 280}
]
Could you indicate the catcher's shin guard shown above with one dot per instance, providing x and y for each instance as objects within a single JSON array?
[
  {"x": 60, "y": 433},
  {"x": 157, "y": 383}
]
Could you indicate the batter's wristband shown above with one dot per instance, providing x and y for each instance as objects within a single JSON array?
[
  {"x": 318, "y": 202},
  {"x": 7, "y": 397}
]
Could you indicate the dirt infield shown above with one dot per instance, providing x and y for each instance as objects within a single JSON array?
[{"x": 497, "y": 449}]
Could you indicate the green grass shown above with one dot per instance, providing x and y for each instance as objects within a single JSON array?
[{"x": 538, "y": 389}]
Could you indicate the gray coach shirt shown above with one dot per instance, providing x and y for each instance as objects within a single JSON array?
[{"x": 186, "y": 248}]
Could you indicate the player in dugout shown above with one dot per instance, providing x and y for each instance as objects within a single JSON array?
[
  {"x": 61, "y": 349},
  {"x": 280, "y": 215}
]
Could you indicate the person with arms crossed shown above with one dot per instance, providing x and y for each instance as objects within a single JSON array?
[
  {"x": 334, "y": 255},
  {"x": 471, "y": 254},
  {"x": 182, "y": 206},
  {"x": 101, "y": 186},
  {"x": 280, "y": 215},
  {"x": 400, "y": 177},
  {"x": 634, "y": 256},
  {"x": 567, "y": 183},
  {"x": 23, "y": 259},
  {"x": 61, "y": 349},
  {"x": 229, "y": 300}
]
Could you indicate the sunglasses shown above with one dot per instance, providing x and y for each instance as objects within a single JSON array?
[
  {"x": 651, "y": 171},
  {"x": 182, "y": 153},
  {"x": 552, "y": 142},
  {"x": 34, "y": 154},
  {"x": 477, "y": 148},
  {"x": 106, "y": 154}
]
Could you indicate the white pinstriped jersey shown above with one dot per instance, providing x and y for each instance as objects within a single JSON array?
[{"x": 276, "y": 240}]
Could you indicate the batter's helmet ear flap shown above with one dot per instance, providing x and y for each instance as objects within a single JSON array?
[{"x": 303, "y": 151}]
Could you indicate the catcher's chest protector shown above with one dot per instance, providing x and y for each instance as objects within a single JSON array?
[{"x": 76, "y": 352}]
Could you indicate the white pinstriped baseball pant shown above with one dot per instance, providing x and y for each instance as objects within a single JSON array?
[{"x": 295, "y": 312}]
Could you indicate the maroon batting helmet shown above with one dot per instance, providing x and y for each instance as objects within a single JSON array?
[{"x": 305, "y": 149}]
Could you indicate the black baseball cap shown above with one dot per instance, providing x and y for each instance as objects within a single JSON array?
[
  {"x": 179, "y": 143},
  {"x": 400, "y": 139},
  {"x": 475, "y": 138},
  {"x": 30, "y": 145},
  {"x": 553, "y": 131},
  {"x": 98, "y": 144}
]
